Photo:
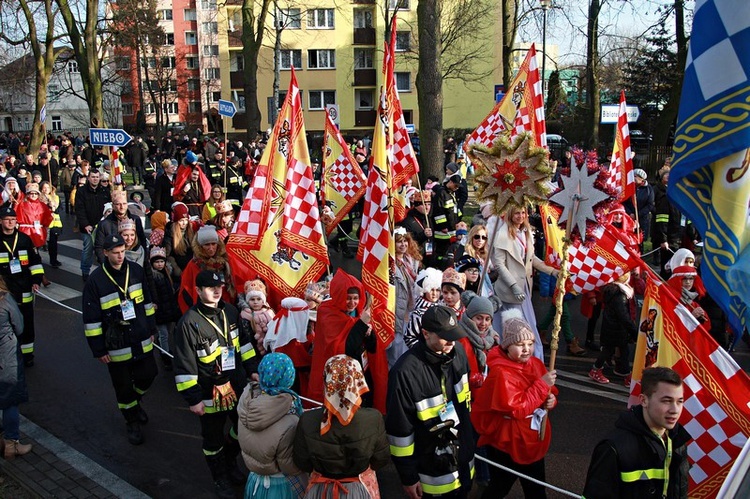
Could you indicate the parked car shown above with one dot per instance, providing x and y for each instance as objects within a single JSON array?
[
  {"x": 557, "y": 145},
  {"x": 640, "y": 139}
]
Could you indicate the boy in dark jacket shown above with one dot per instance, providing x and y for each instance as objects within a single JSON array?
[
  {"x": 631, "y": 461},
  {"x": 164, "y": 296}
]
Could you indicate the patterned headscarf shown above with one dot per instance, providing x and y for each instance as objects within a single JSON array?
[
  {"x": 276, "y": 376},
  {"x": 344, "y": 386}
]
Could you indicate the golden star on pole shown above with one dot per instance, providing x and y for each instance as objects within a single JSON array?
[{"x": 509, "y": 174}]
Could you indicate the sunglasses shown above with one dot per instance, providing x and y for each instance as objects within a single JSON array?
[{"x": 478, "y": 237}]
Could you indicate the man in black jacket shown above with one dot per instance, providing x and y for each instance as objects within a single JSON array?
[
  {"x": 90, "y": 201},
  {"x": 164, "y": 188},
  {"x": 108, "y": 225},
  {"x": 136, "y": 157},
  {"x": 646, "y": 455}
]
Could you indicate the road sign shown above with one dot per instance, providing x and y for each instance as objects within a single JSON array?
[
  {"x": 610, "y": 112},
  {"x": 227, "y": 108},
  {"x": 43, "y": 114},
  {"x": 410, "y": 128},
  {"x": 108, "y": 137},
  {"x": 333, "y": 112}
]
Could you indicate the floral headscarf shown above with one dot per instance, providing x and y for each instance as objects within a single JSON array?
[
  {"x": 344, "y": 386},
  {"x": 276, "y": 376}
]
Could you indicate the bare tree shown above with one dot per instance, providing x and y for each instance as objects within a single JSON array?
[
  {"x": 254, "y": 14},
  {"x": 429, "y": 85}
]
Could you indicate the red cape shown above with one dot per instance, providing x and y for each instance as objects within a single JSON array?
[
  {"x": 183, "y": 174},
  {"x": 29, "y": 212}
]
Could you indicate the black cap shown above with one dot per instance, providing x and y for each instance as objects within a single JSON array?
[
  {"x": 455, "y": 178},
  {"x": 7, "y": 212},
  {"x": 113, "y": 241},
  {"x": 208, "y": 279},
  {"x": 443, "y": 322}
]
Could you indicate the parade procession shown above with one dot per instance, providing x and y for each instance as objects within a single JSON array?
[{"x": 327, "y": 315}]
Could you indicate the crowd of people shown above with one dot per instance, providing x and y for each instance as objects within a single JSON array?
[{"x": 466, "y": 371}]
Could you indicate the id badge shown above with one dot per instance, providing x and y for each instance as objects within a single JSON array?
[
  {"x": 128, "y": 310},
  {"x": 449, "y": 412},
  {"x": 37, "y": 225},
  {"x": 15, "y": 266},
  {"x": 227, "y": 359},
  {"x": 171, "y": 191},
  {"x": 428, "y": 248}
]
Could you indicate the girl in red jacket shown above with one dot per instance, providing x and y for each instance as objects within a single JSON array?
[{"x": 509, "y": 411}]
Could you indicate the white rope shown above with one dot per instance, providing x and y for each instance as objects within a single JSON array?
[
  {"x": 527, "y": 477},
  {"x": 58, "y": 303}
]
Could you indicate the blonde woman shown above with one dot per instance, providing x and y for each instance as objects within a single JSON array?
[
  {"x": 216, "y": 198},
  {"x": 178, "y": 239},
  {"x": 513, "y": 258},
  {"x": 50, "y": 197}
]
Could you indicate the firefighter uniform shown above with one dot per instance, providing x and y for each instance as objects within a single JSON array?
[
  {"x": 446, "y": 215},
  {"x": 235, "y": 181},
  {"x": 118, "y": 319},
  {"x": 214, "y": 356},
  {"x": 214, "y": 171},
  {"x": 21, "y": 267}
]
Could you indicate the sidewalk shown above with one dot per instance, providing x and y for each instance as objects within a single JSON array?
[{"x": 55, "y": 470}]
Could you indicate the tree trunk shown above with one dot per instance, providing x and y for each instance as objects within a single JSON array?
[
  {"x": 592, "y": 74},
  {"x": 252, "y": 40},
  {"x": 669, "y": 113},
  {"x": 509, "y": 30},
  {"x": 429, "y": 85}
]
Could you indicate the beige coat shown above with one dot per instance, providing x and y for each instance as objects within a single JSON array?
[
  {"x": 512, "y": 267},
  {"x": 266, "y": 432}
]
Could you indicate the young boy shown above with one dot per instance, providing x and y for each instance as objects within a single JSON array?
[
  {"x": 165, "y": 298},
  {"x": 631, "y": 461}
]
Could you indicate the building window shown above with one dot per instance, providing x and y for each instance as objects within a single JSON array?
[
  {"x": 289, "y": 57},
  {"x": 149, "y": 62},
  {"x": 53, "y": 93},
  {"x": 127, "y": 109},
  {"x": 191, "y": 62},
  {"x": 215, "y": 96},
  {"x": 403, "y": 82},
  {"x": 168, "y": 62},
  {"x": 191, "y": 38},
  {"x": 172, "y": 86},
  {"x": 165, "y": 14},
  {"x": 168, "y": 38},
  {"x": 398, "y": 4},
  {"x": 126, "y": 88},
  {"x": 210, "y": 28},
  {"x": 193, "y": 84},
  {"x": 208, "y": 4},
  {"x": 73, "y": 67},
  {"x": 320, "y": 19},
  {"x": 212, "y": 73},
  {"x": 168, "y": 108},
  {"x": 363, "y": 58},
  {"x": 190, "y": 15},
  {"x": 235, "y": 21},
  {"x": 363, "y": 18},
  {"x": 319, "y": 99},
  {"x": 364, "y": 99},
  {"x": 209, "y": 50},
  {"x": 236, "y": 62},
  {"x": 123, "y": 63},
  {"x": 321, "y": 59},
  {"x": 288, "y": 19},
  {"x": 403, "y": 41},
  {"x": 57, "y": 123},
  {"x": 194, "y": 106}
]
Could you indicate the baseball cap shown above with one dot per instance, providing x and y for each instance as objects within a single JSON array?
[
  {"x": 208, "y": 279},
  {"x": 7, "y": 212},
  {"x": 113, "y": 241},
  {"x": 443, "y": 322}
]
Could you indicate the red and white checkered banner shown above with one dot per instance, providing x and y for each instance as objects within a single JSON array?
[
  {"x": 343, "y": 179},
  {"x": 621, "y": 178},
  {"x": 716, "y": 411}
]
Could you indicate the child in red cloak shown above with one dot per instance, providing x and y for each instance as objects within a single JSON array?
[
  {"x": 342, "y": 327},
  {"x": 687, "y": 286}
]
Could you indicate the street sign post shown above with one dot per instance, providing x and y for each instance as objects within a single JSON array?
[
  {"x": 109, "y": 137},
  {"x": 610, "y": 112},
  {"x": 43, "y": 114},
  {"x": 227, "y": 108},
  {"x": 333, "y": 112}
]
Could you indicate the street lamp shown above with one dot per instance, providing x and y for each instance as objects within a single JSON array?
[{"x": 546, "y": 4}]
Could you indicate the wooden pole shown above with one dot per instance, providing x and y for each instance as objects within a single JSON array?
[
  {"x": 490, "y": 244},
  {"x": 226, "y": 154}
]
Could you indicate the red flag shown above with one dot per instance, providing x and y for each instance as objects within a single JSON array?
[
  {"x": 716, "y": 411},
  {"x": 621, "y": 178},
  {"x": 343, "y": 179}
]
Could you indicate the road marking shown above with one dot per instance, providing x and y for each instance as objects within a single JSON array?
[
  {"x": 98, "y": 474},
  {"x": 585, "y": 379},
  {"x": 71, "y": 265},
  {"x": 592, "y": 391},
  {"x": 59, "y": 292},
  {"x": 73, "y": 243}
]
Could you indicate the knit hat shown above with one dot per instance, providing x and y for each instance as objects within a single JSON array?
[
  {"x": 467, "y": 262},
  {"x": 640, "y": 173},
  {"x": 191, "y": 158},
  {"x": 207, "y": 235},
  {"x": 451, "y": 167},
  {"x": 157, "y": 253},
  {"x": 126, "y": 224},
  {"x": 179, "y": 211},
  {"x": 427, "y": 280},
  {"x": 454, "y": 278},
  {"x": 37, "y": 172},
  {"x": 418, "y": 196},
  {"x": 476, "y": 304},
  {"x": 32, "y": 187},
  {"x": 514, "y": 330},
  {"x": 224, "y": 207},
  {"x": 254, "y": 288}
]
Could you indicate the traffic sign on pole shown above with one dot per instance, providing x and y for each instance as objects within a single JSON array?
[
  {"x": 610, "y": 112},
  {"x": 227, "y": 108},
  {"x": 43, "y": 114},
  {"x": 109, "y": 137},
  {"x": 333, "y": 112}
]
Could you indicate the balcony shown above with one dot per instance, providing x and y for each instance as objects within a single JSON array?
[
  {"x": 235, "y": 38},
  {"x": 365, "y": 78},
  {"x": 364, "y": 36},
  {"x": 236, "y": 79},
  {"x": 365, "y": 118}
]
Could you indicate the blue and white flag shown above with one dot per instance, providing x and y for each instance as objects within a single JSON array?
[{"x": 710, "y": 177}]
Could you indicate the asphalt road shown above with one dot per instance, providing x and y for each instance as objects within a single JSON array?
[{"x": 72, "y": 398}]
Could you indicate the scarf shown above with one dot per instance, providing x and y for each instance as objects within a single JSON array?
[
  {"x": 344, "y": 386},
  {"x": 626, "y": 288},
  {"x": 687, "y": 297},
  {"x": 480, "y": 342},
  {"x": 276, "y": 376}
]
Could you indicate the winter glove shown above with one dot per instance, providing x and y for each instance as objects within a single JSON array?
[
  {"x": 516, "y": 290},
  {"x": 224, "y": 397}
]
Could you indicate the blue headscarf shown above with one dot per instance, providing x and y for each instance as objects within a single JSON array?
[{"x": 276, "y": 376}]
